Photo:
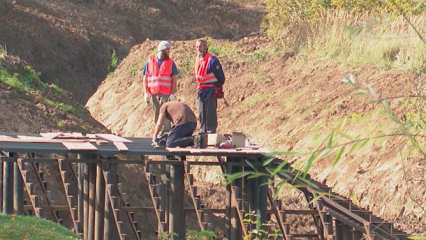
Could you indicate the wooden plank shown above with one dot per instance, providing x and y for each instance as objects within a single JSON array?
[
  {"x": 113, "y": 138},
  {"x": 121, "y": 146},
  {"x": 79, "y": 146}
]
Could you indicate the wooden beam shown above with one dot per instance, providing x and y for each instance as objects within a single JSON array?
[
  {"x": 176, "y": 210},
  {"x": 100, "y": 202},
  {"x": 18, "y": 189}
]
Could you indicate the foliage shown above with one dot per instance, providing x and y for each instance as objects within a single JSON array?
[
  {"x": 420, "y": 237},
  {"x": 114, "y": 61},
  {"x": 222, "y": 49},
  {"x": 28, "y": 81},
  {"x": 357, "y": 32},
  {"x": 25, "y": 227},
  {"x": 281, "y": 13},
  {"x": 260, "y": 230},
  {"x": 3, "y": 52},
  {"x": 190, "y": 235},
  {"x": 200, "y": 235},
  {"x": 384, "y": 42}
]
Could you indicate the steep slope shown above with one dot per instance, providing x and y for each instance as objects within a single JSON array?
[
  {"x": 29, "y": 105},
  {"x": 289, "y": 103},
  {"x": 71, "y": 42}
]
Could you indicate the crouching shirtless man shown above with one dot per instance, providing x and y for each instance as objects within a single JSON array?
[{"x": 183, "y": 123}]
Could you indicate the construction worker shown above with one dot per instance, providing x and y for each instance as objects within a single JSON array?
[
  {"x": 159, "y": 79},
  {"x": 210, "y": 78},
  {"x": 183, "y": 121}
]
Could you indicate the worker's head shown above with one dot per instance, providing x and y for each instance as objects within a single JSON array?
[
  {"x": 201, "y": 46},
  {"x": 163, "y": 49}
]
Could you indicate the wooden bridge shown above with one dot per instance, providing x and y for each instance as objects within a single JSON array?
[{"x": 87, "y": 194}]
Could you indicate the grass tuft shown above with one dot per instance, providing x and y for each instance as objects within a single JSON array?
[{"x": 26, "y": 227}]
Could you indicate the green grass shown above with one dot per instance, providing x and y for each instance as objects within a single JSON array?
[
  {"x": 26, "y": 227},
  {"x": 419, "y": 237},
  {"x": 382, "y": 41},
  {"x": 28, "y": 82}
]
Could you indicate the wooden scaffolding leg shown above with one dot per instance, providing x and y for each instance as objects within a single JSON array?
[
  {"x": 18, "y": 189},
  {"x": 7, "y": 186},
  {"x": 1, "y": 184},
  {"x": 177, "y": 193},
  {"x": 92, "y": 194},
  {"x": 100, "y": 202}
]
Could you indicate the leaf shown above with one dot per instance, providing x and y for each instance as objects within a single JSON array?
[
  {"x": 338, "y": 155},
  {"x": 330, "y": 139},
  {"x": 268, "y": 161},
  {"x": 257, "y": 174},
  {"x": 344, "y": 135},
  {"x": 309, "y": 163},
  {"x": 232, "y": 177},
  {"x": 279, "y": 168},
  {"x": 364, "y": 142},
  {"x": 251, "y": 166}
]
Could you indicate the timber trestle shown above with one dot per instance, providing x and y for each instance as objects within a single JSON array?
[{"x": 81, "y": 181}]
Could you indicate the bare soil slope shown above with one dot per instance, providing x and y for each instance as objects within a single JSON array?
[
  {"x": 37, "y": 110},
  {"x": 287, "y": 102},
  {"x": 71, "y": 42}
]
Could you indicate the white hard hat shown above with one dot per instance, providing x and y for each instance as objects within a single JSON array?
[{"x": 163, "y": 45}]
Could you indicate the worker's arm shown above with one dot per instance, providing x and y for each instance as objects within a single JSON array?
[
  {"x": 159, "y": 124},
  {"x": 144, "y": 79},
  {"x": 218, "y": 72}
]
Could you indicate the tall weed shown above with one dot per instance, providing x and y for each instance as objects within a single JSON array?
[
  {"x": 3, "y": 52},
  {"x": 388, "y": 42}
]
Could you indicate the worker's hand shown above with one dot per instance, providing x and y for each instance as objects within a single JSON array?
[
  {"x": 154, "y": 142},
  {"x": 172, "y": 97},
  {"x": 147, "y": 98}
]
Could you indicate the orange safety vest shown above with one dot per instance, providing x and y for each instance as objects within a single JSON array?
[
  {"x": 159, "y": 78},
  {"x": 204, "y": 79}
]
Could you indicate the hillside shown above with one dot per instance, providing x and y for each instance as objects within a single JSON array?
[
  {"x": 71, "y": 42},
  {"x": 289, "y": 103},
  {"x": 284, "y": 90},
  {"x": 29, "y": 105}
]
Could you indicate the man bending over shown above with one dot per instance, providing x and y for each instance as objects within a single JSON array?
[{"x": 183, "y": 123}]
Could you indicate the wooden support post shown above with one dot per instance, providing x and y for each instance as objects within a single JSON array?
[
  {"x": 107, "y": 217},
  {"x": 18, "y": 189},
  {"x": 163, "y": 191},
  {"x": 234, "y": 225},
  {"x": 338, "y": 230},
  {"x": 92, "y": 195},
  {"x": 100, "y": 204},
  {"x": 80, "y": 198},
  {"x": 8, "y": 186},
  {"x": 1, "y": 184},
  {"x": 85, "y": 201},
  {"x": 176, "y": 209},
  {"x": 261, "y": 192}
]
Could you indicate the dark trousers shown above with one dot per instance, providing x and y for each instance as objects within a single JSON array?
[
  {"x": 178, "y": 133},
  {"x": 207, "y": 110}
]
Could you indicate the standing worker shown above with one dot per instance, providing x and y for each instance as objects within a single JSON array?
[
  {"x": 183, "y": 120},
  {"x": 159, "y": 79},
  {"x": 210, "y": 78}
]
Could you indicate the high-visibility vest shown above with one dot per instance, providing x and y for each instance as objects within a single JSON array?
[
  {"x": 159, "y": 78},
  {"x": 204, "y": 79}
]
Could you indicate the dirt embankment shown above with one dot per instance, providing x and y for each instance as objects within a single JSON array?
[
  {"x": 71, "y": 42},
  {"x": 37, "y": 110},
  {"x": 290, "y": 103}
]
